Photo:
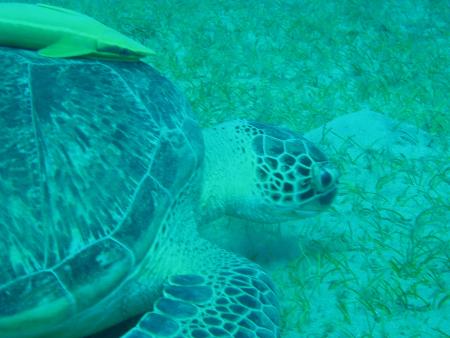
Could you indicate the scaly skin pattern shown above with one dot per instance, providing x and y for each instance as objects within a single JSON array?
[{"x": 105, "y": 174}]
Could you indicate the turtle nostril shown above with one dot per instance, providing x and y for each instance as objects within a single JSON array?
[{"x": 326, "y": 179}]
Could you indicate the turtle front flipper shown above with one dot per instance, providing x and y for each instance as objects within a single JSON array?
[{"x": 237, "y": 299}]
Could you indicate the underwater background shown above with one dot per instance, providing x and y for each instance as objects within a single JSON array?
[{"x": 370, "y": 79}]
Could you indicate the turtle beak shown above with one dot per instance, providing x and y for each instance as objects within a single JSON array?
[{"x": 328, "y": 197}]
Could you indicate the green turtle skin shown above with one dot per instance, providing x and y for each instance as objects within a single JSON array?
[{"x": 103, "y": 177}]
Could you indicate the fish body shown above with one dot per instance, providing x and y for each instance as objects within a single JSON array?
[{"x": 59, "y": 32}]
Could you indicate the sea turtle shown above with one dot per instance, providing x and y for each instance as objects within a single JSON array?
[{"x": 104, "y": 175}]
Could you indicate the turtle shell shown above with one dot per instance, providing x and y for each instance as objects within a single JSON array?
[{"x": 91, "y": 155}]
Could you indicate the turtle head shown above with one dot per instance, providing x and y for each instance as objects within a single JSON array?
[{"x": 265, "y": 173}]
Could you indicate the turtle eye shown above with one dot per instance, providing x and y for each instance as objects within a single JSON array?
[{"x": 325, "y": 179}]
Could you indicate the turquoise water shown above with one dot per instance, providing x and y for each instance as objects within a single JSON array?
[{"x": 376, "y": 264}]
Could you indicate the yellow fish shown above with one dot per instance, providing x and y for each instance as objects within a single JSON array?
[{"x": 59, "y": 32}]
